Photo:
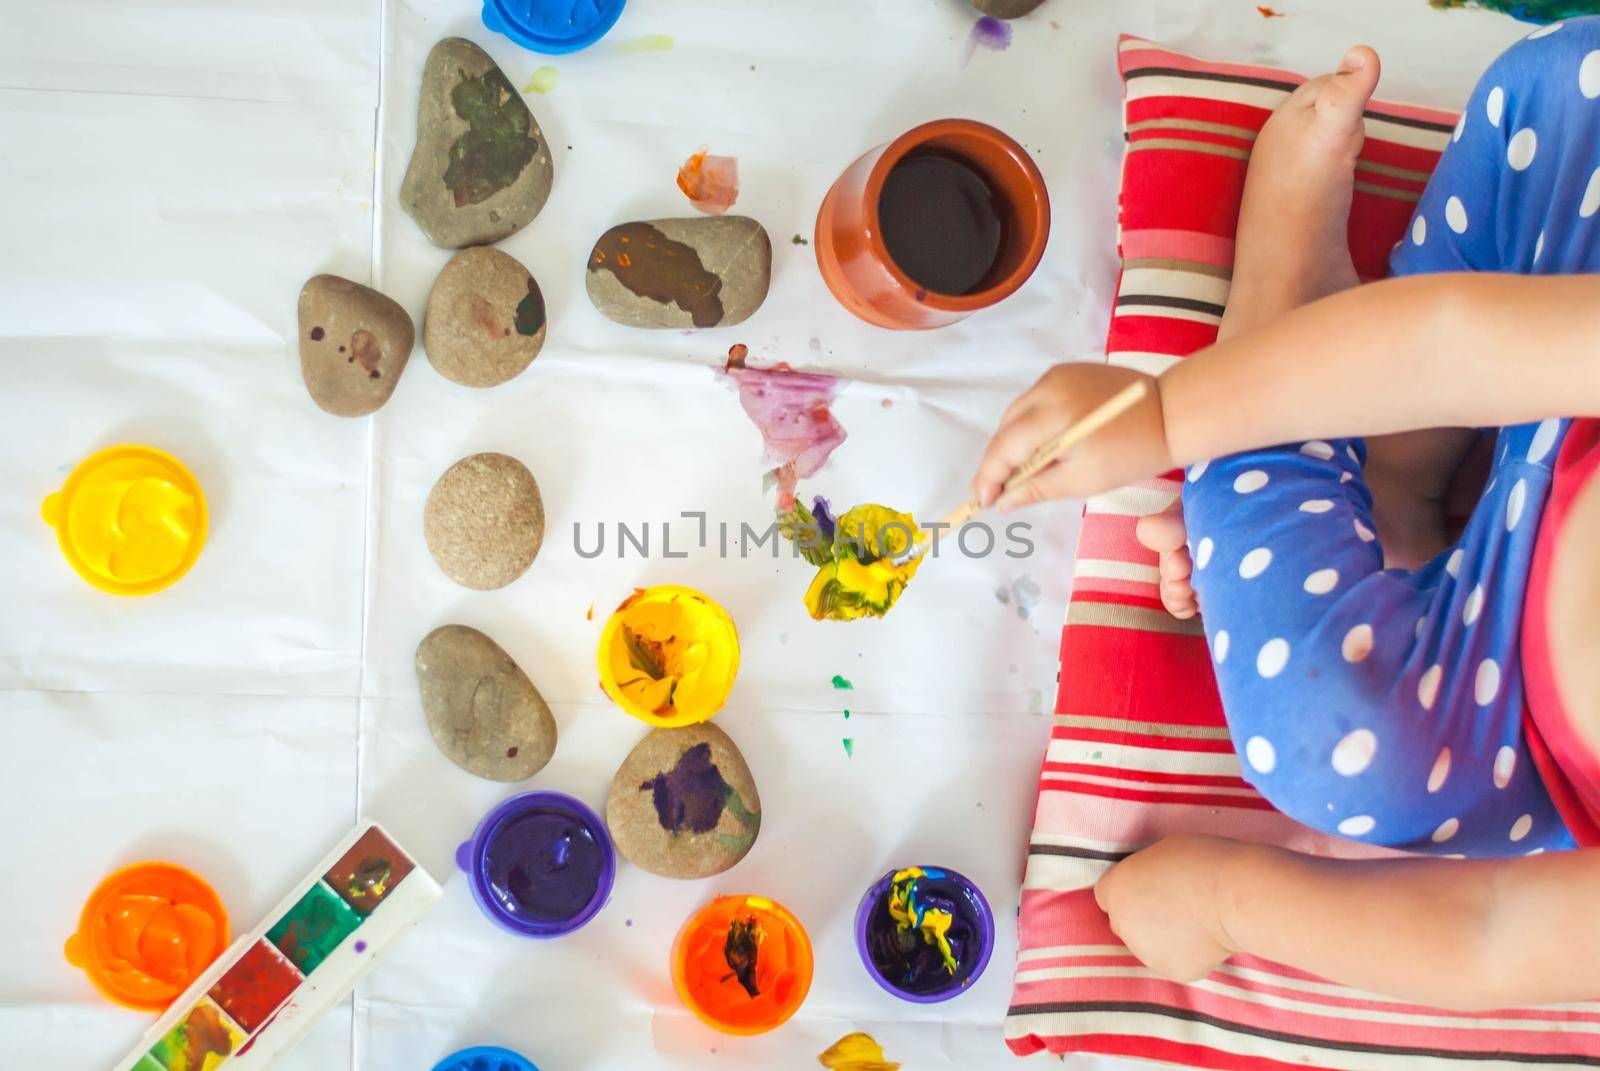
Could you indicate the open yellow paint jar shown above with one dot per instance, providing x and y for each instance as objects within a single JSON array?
[
  {"x": 668, "y": 656},
  {"x": 130, "y": 520}
]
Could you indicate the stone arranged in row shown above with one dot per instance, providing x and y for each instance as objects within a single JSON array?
[
  {"x": 483, "y": 711},
  {"x": 485, "y": 320},
  {"x": 354, "y": 343},
  {"x": 702, "y": 272},
  {"x": 484, "y": 521},
  {"x": 481, "y": 169},
  {"x": 683, "y": 804}
]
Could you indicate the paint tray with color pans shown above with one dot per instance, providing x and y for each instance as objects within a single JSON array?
[{"x": 268, "y": 989}]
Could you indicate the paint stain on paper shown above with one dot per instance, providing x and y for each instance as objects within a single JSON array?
[
  {"x": 1269, "y": 13},
  {"x": 990, "y": 33},
  {"x": 1023, "y": 593},
  {"x": 849, "y": 747},
  {"x": 797, "y": 240},
  {"x": 856, "y": 1052},
  {"x": 841, "y": 683},
  {"x": 861, "y": 560},
  {"x": 650, "y": 42},
  {"x": 793, "y": 412},
  {"x": 543, "y": 80},
  {"x": 710, "y": 182}
]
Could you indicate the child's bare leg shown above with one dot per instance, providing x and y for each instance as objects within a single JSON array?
[{"x": 1293, "y": 249}]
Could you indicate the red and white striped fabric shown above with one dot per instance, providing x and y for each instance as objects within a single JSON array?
[{"x": 1139, "y": 749}]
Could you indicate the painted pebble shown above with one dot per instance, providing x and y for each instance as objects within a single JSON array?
[
  {"x": 482, "y": 168},
  {"x": 485, "y": 320},
  {"x": 1006, "y": 9},
  {"x": 354, "y": 343},
  {"x": 484, "y": 521},
  {"x": 483, "y": 711},
  {"x": 681, "y": 272},
  {"x": 683, "y": 803}
]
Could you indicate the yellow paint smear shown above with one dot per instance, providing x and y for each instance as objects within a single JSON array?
[
  {"x": 543, "y": 80},
  {"x": 856, "y": 1052},
  {"x": 650, "y": 42}
]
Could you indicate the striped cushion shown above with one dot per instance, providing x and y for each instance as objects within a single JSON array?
[{"x": 1139, "y": 748}]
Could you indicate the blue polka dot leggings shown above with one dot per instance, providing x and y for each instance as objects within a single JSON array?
[{"x": 1385, "y": 705}]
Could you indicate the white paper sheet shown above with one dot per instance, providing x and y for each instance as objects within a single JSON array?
[{"x": 174, "y": 171}]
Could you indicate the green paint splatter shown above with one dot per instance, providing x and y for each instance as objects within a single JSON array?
[
  {"x": 542, "y": 80},
  {"x": 530, "y": 311},
  {"x": 650, "y": 42},
  {"x": 496, "y": 146},
  {"x": 1096, "y": 755},
  {"x": 840, "y": 683},
  {"x": 797, "y": 240},
  {"x": 847, "y": 715},
  {"x": 1528, "y": 10},
  {"x": 849, "y": 747}
]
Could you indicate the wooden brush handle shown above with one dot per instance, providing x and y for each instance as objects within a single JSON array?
[{"x": 1053, "y": 448}]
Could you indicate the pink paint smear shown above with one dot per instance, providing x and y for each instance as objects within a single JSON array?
[
  {"x": 792, "y": 410},
  {"x": 710, "y": 182}
]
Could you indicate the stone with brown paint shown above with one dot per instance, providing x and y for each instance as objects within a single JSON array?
[
  {"x": 481, "y": 169},
  {"x": 481, "y": 708},
  {"x": 701, "y": 272},
  {"x": 486, "y": 318},
  {"x": 354, "y": 343}
]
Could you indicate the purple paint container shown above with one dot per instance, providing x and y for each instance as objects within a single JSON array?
[
  {"x": 907, "y": 966},
  {"x": 540, "y": 864}
]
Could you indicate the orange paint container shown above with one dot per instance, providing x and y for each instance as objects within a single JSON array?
[
  {"x": 742, "y": 964},
  {"x": 856, "y": 263},
  {"x": 146, "y": 932}
]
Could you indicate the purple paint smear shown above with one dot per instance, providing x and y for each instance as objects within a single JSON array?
[
  {"x": 791, "y": 410},
  {"x": 990, "y": 32},
  {"x": 690, "y": 796}
]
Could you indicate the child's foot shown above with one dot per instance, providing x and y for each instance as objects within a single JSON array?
[{"x": 1293, "y": 246}]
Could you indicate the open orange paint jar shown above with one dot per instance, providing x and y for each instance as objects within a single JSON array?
[
  {"x": 742, "y": 964},
  {"x": 949, "y": 218},
  {"x": 147, "y": 931}
]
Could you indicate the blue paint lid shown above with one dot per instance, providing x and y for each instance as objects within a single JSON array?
[
  {"x": 552, "y": 26},
  {"x": 485, "y": 1058}
]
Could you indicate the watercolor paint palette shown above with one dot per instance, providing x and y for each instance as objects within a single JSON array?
[{"x": 273, "y": 984}]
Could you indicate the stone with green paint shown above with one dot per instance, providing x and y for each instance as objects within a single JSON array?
[
  {"x": 314, "y": 927},
  {"x": 148, "y": 1063},
  {"x": 683, "y": 804},
  {"x": 485, "y": 320},
  {"x": 481, "y": 169}
]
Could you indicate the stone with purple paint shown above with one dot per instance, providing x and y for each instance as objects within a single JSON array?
[
  {"x": 1006, "y": 9},
  {"x": 684, "y": 804}
]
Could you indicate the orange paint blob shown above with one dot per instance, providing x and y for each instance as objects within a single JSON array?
[
  {"x": 147, "y": 931},
  {"x": 711, "y": 182},
  {"x": 742, "y": 964},
  {"x": 1269, "y": 13}
]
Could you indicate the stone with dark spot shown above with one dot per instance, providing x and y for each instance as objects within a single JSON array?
[
  {"x": 683, "y": 804},
  {"x": 1006, "y": 9},
  {"x": 484, "y": 521},
  {"x": 702, "y": 272},
  {"x": 354, "y": 343},
  {"x": 483, "y": 711},
  {"x": 481, "y": 169},
  {"x": 485, "y": 321}
]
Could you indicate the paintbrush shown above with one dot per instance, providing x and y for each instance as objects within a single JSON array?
[{"x": 1050, "y": 450}]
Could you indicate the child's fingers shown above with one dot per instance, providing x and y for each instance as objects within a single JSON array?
[
  {"x": 1176, "y": 565},
  {"x": 1013, "y": 444},
  {"x": 1179, "y": 599},
  {"x": 1162, "y": 532}
]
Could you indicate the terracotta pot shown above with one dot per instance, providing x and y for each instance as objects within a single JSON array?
[{"x": 849, "y": 242}]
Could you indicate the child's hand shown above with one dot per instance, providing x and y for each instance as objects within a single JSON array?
[
  {"x": 1165, "y": 534},
  {"x": 1162, "y": 902},
  {"x": 1132, "y": 447}
]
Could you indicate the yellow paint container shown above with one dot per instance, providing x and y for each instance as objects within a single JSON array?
[
  {"x": 130, "y": 520},
  {"x": 668, "y": 656}
]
